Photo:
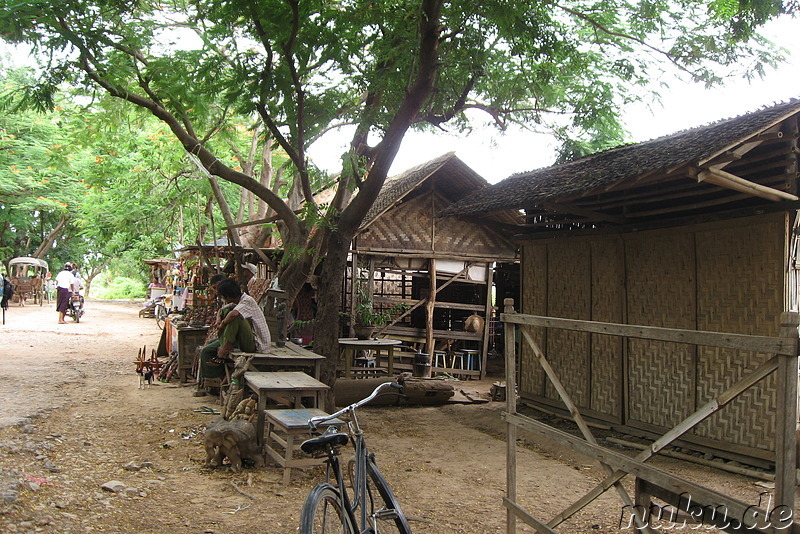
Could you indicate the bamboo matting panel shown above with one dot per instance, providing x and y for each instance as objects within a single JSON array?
[
  {"x": 461, "y": 237},
  {"x": 661, "y": 292},
  {"x": 412, "y": 227},
  {"x": 608, "y": 305},
  {"x": 407, "y": 227},
  {"x": 740, "y": 290},
  {"x": 534, "y": 301},
  {"x": 569, "y": 296}
]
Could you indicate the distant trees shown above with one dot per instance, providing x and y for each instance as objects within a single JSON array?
[{"x": 299, "y": 69}]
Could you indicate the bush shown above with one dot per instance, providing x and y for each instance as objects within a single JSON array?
[{"x": 120, "y": 288}]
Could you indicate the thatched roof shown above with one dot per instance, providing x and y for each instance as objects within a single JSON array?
[
  {"x": 460, "y": 181},
  {"x": 586, "y": 182}
]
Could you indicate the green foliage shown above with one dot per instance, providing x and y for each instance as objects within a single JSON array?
[
  {"x": 119, "y": 288},
  {"x": 300, "y": 69}
]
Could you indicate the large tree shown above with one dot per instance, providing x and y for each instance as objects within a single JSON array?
[{"x": 382, "y": 66}]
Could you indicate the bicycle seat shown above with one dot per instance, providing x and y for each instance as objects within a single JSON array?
[{"x": 323, "y": 442}]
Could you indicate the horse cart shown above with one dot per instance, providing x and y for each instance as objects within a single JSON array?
[{"x": 28, "y": 276}]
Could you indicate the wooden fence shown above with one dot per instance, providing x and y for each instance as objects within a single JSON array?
[{"x": 705, "y": 503}]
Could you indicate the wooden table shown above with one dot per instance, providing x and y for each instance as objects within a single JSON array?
[
  {"x": 184, "y": 340},
  {"x": 279, "y": 358},
  {"x": 351, "y": 345},
  {"x": 285, "y": 387},
  {"x": 286, "y": 430}
]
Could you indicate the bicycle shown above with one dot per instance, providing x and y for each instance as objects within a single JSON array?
[
  {"x": 329, "y": 506},
  {"x": 160, "y": 313}
]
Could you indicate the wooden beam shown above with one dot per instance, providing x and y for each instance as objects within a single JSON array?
[
  {"x": 673, "y": 434},
  {"x": 786, "y": 422},
  {"x": 771, "y": 345},
  {"x": 510, "y": 356},
  {"x": 738, "y": 511},
  {"x": 517, "y": 511},
  {"x": 591, "y": 215},
  {"x": 487, "y": 320},
  {"x": 584, "y": 428},
  {"x": 429, "y": 308},
  {"x": 731, "y": 181},
  {"x": 403, "y": 253}
]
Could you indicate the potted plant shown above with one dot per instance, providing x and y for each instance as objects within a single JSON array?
[{"x": 366, "y": 319}]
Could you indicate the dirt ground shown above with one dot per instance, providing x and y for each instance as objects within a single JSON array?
[{"x": 72, "y": 419}]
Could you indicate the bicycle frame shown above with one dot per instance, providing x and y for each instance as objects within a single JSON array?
[{"x": 360, "y": 508}]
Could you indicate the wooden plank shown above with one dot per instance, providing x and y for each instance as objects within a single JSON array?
[
  {"x": 678, "y": 430},
  {"x": 584, "y": 428},
  {"x": 765, "y": 344},
  {"x": 514, "y": 509},
  {"x": 484, "y": 355},
  {"x": 786, "y": 421},
  {"x": 706, "y": 515},
  {"x": 737, "y": 510},
  {"x": 510, "y": 353}
]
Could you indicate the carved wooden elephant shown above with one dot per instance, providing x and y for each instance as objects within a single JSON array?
[{"x": 235, "y": 440}]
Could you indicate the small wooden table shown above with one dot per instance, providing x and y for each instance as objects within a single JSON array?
[
  {"x": 286, "y": 429},
  {"x": 286, "y": 387},
  {"x": 351, "y": 345},
  {"x": 279, "y": 358}
]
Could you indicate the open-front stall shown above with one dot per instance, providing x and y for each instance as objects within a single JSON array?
[{"x": 434, "y": 278}]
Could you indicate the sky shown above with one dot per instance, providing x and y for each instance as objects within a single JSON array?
[
  {"x": 496, "y": 155},
  {"x": 684, "y": 105}
]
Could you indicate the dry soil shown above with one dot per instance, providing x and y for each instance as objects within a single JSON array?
[{"x": 73, "y": 419}]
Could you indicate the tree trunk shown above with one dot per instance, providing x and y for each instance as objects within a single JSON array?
[
  {"x": 326, "y": 331},
  {"x": 226, "y": 211},
  {"x": 47, "y": 244}
]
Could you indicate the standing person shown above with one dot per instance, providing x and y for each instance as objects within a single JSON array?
[{"x": 65, "y": 286}]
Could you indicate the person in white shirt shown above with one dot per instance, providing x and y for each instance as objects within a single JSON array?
[{"x": 65, "y": 286}]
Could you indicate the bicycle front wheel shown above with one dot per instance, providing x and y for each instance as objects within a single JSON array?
[
  {"x": 161, "y": 315},
  {"x": 324, "y": 513},
  {"x": 387, "y": 516}
]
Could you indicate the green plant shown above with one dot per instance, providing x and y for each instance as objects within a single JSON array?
[{"x": 366, "y": 315}]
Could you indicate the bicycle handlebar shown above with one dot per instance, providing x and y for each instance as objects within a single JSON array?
[{"x": 321, "y": 419}]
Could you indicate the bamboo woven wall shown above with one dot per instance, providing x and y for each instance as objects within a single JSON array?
[
  {"x": 608, "y": 305},
  {"x": 578, "y": 280},
  {"x": 533, "y": 271},
  {"x": 660, "y": 291},
  {"x": 411, "y": 227},
  {"x": 569, "y": 295},
  {"x": 726, "y": 276},
  {"x": 740, "y": 274}
]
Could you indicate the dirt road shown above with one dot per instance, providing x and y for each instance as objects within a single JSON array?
[{"x": 72, "y": 419}]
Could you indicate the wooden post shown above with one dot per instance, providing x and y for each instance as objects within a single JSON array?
[
  {"x": 786, "y": 428},
  {"x": 431, "y": 304},
  {"x": 510, "y": 350},
  {"x": 488, "y": 318},
  {"x": 353, "y": 295}
]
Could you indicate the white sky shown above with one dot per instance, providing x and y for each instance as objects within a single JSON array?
[
  {"x": 495, "y": 155},
  {"x": 684, "y": 105}
]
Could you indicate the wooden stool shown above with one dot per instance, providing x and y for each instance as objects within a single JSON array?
[{"x": 285, "y": 431}]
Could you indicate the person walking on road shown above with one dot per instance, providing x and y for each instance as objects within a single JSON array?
[{"x": 66, "y": 285}]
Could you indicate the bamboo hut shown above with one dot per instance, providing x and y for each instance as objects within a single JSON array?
[
  {"x": 434, "y": 273},
  {"x": 693, "y": 238}
]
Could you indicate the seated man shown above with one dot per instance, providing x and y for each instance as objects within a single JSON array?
[{"x": 243, "y": 327}]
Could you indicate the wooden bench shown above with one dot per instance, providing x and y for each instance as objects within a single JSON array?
[
  {"x": 287, "y": 388},
  {"x": 286, "y": 430}
]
